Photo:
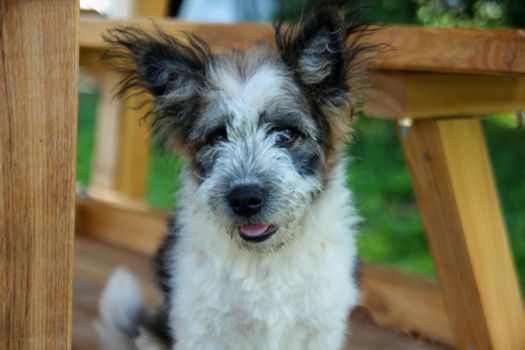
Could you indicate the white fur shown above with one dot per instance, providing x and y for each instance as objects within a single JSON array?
[
  {"x": 120, "y": 301},
  {"x": 295, "y": 298}
]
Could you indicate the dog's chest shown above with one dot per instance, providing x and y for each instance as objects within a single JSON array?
[{"x": 263, "y": 300}]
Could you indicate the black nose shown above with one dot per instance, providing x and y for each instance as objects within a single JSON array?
[{"x": 247, "y": 200}]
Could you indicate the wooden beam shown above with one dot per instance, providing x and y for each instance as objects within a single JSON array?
[
  {"x": 132, "y": 163},
  {"x": 38, "y": 90},
  {"x": 405, "y": 302},
  {"x": 105, "y": 153},
  {"x": 218, "y": 36},
  {"x": 424, "y": 95},
  {"x": 476, "y": 51},
  {"x": 121, "y": 155},
  {"x": 122, "y": 149},
  {"x": 140, "y": 230},
  {"x": 151, "y": 8},
  {"x": 437, "y": 94},
  {"x": 431, "y": 49},
  {"x": 456, "y": 194}
]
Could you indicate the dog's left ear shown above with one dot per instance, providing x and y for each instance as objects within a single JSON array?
[{"x": 319, "y": 52}]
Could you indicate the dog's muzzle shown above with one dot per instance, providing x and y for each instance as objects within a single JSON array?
[{"x": 246, "y": 201}]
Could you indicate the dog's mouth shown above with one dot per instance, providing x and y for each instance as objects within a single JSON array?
[{"x": 256, "y": 232}]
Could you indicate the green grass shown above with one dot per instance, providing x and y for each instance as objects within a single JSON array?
[
  {"x": 87, "y": 104},
  {"x": 163, "y": 179},
  {"x": 392, "y": 232},
  {"x": 507, "y": 152}
]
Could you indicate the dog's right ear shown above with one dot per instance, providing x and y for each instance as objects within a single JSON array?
[
  {"x": 159, "y": 63},
  {"x": 170, "y": 70}
]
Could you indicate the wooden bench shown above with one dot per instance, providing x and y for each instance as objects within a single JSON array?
[{"x": 440, "y": 79}]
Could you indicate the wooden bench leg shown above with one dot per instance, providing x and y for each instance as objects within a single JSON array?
[
  {"x": 456, "y": 194},
  {"x": 133, "y": 150},
  {"x": 122, "y": 146},
  {"x": 38, "y": 109},
  {"x": 104, "y": 162},
  {"x": 122, "y": 150}
]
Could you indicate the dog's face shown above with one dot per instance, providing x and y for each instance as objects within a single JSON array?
[
  {"x": 256, "y": 147},
  {"x": 261, "y": 130}
]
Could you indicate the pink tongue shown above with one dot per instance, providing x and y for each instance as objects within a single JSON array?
[{"x": 253, "y": 230}]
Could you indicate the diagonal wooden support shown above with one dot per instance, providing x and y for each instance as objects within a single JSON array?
[
  {"x": 455, "y": 190},
  {"x": 38, "y": 108}
]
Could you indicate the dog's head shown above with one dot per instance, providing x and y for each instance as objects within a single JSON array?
[{"x": 261, "y": 130}]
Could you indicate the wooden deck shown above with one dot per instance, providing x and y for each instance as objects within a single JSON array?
[{"x": 94, "y": 261}]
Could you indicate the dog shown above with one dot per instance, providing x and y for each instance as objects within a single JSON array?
[{"x": 260, "y": 253}]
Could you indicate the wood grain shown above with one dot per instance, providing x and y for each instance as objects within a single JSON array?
[
  {"x": 122, "y": 144},
  {"x": 410, "y": 48},
  {"x": 105, "y": 152},
  {"x": 498, "y": 51},
  {"x": 425, "y": 95},
  {"x": 122, "y": 149},
  {"x": 135, "y": 229},
  {"x": 405, "y": 302},
  {"x": 38, "y": 94},
  {"x": 456, "y": 194},
  {"x": 132, "y": 163},
  {"x": 151, "y": 8},
  {"x": 438, "y": 94}
]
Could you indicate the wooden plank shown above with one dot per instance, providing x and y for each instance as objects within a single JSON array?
[
  {"x": 132, "y": 163},
  {"x": 122, "y": 143},
  {"x": 363, "y": 335},
  {"x": 38, "y": 90},
  {"x": 405, "y": 302},
  {"x": 122, "y": 149},
  {"x": 139, "y": 230},
  {"x": 433, "y": 94},
  {"x": 104, "y": 162},
  {"x": 456, "y": 194},
  {"x": 386, "y": 96},
  {"x": 476, "y": 51},
  {"x": 423, "y": 95},
  {"x": 151, "y": 8},
  {"x": 218, "y": 36},
  {"x": 411, "y": 48}
]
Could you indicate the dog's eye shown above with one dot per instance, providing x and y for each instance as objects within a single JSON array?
[
  {"x": 218, "y": 135},
  {"x": 285, "y": 137}
]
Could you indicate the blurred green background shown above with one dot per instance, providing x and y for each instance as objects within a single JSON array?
[{"x": 392, "y": 231}]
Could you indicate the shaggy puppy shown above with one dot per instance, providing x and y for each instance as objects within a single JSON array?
[{"x": 261, "y": 252}]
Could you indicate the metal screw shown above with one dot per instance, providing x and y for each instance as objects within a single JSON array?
[{"x": 405, "y": 124}]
